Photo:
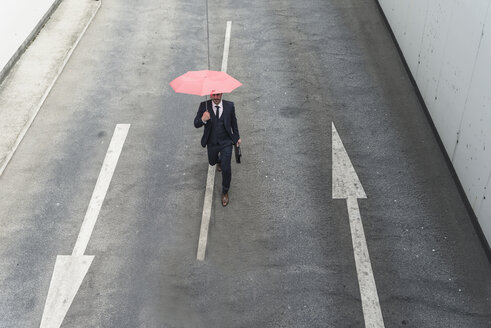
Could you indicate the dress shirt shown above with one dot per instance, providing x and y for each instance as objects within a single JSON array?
[{"x": 215, "y": 109}]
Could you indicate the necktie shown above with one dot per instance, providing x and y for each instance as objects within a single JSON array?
[{"x": 218, "y": 111}]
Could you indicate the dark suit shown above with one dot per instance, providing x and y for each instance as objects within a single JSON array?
[
  {"x": 228, "y": 116},
  {"x": 218, "y": 136}
]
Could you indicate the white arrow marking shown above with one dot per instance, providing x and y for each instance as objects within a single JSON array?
[
  {"x": 346, "y": 185},
  {"x": 67, "y": 277},
  {"x": 210, "y": 180},
  {"x": 70, "y": 270},
  {"x": 345, "y": 182}
]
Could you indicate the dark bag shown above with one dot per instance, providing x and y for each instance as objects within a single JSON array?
[{"x": 238, "y": 153}]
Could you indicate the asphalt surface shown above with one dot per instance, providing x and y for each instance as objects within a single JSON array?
[{"x": 280, "y": 255}]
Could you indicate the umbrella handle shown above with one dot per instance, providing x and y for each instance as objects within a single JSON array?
[{"x": 207, "y": 100}]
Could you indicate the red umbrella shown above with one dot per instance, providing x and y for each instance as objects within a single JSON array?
[{"x": 202, "y": 83}]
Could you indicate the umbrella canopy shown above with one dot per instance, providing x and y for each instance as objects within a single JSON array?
[{"x": 202, "y": 83}]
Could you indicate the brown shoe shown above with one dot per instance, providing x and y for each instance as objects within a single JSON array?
[
  {"x": 219, "y": 167},
  {"x": 225, "y": 199}
]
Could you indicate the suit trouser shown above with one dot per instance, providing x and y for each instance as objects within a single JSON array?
[{"x": 222, "y": 154}]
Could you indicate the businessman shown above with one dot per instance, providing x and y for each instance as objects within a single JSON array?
[{"x": 220, "y": 134}]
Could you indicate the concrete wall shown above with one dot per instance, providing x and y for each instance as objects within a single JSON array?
[
  {"x": 20, "y": 21},
  {"x": 447, "y": 46}
]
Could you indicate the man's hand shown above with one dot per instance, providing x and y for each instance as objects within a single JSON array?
[
  {"x": 205, "y": 117},
  {"x": 238, "y": 142}
]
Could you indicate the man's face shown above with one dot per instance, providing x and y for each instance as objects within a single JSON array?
[{"x": 216, "y": 98}]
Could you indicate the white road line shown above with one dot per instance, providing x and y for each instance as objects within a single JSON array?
[
  {"x": 205, "y": 218},
  {"x": 210, "y": 181},
  {"x": 368, "y": 290},
  {"x": 101, "y": 187},
  {"x": 346, "y": 185},
  {"x": 226, "y": 46}
]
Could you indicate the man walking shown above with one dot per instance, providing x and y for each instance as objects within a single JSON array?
[{"x": 220, "y": 134}]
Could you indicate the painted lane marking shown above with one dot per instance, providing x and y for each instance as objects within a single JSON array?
[
  {"x": 226, "y": 46},
  {"x": 101, "y": 187},
  {"x": 210, "y": 180},
  {"x": 205, "y": 218},
  {"x": 70, "y": 270},
  {"x": 346, "y": 185}
]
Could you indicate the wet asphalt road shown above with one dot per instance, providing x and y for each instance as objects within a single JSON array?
[{"x": 280, "y": 255}]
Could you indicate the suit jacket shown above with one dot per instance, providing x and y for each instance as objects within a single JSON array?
[{"x": 229, "y": 120}]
